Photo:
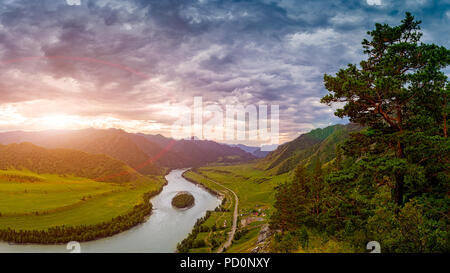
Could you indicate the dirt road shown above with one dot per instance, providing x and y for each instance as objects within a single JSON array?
[{"x": 235, "y": 218}]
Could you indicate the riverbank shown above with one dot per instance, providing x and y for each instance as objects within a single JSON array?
[
  {"x": 210, "y": 190},
  {"x": 215, "y": 231}
]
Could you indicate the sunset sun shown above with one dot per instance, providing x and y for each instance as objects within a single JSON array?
[{"x": 58, "y": 121}]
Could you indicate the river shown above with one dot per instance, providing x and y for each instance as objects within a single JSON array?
[{"x": 160, "y": 234}]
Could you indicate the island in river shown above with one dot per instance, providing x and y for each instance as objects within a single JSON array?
[{"x": 183, "y": 200}]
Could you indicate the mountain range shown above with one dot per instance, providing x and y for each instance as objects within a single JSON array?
[
  {"x": 153, "y": 154},
  {"x": 148, "y": 154}
]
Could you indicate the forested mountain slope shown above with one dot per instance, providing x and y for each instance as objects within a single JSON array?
[{"x": 319, "y": 143}]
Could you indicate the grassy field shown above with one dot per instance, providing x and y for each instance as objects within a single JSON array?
[
  {"x": 255, "y": 191},
  {"x": 253, "y": 186},
  {"x": 37, "y": 202}
]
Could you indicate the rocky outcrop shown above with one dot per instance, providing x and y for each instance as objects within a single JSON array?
[{"x": 262, "y": 244}]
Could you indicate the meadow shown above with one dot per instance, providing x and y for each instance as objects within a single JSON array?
[
  {"x": 253, "y": 186},
  {"x": 29, "y": 201}
]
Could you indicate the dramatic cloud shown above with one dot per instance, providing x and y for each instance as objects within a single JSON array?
[{"x": 134, "y": 64}]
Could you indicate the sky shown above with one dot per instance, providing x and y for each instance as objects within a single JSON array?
[{"x": 137, "y": 65}]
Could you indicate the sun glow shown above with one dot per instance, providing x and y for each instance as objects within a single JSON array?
[
  {"x": 59, "y": 121},
  {"x": 39, "y": 116}
]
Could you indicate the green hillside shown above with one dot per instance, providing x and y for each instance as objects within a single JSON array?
[
  {"x": 64, "y": 162},
  {"x": 319, "y": 143}
]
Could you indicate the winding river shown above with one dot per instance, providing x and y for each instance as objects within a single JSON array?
[{"x": 160, "y": 234}]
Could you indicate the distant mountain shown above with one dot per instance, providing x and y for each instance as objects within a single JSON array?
[
  {"x": 248, "y": 149},
  {"x": 260, "y": 154},
  {"x": 189, "y": 153},
  {"x": 148, "y": 154},
  {"x": 319, "y": 143},
  {"x": 65, "y": 162},
  {"x": 256, "y": 151},
  {"x": 205, "y": 151},
  {"x": 158, "y": 139}
]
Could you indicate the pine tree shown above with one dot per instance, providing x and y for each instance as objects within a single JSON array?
[{"x": 398, "y": 90}]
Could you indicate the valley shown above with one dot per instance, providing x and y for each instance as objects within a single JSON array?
[
  {"x": 46, "y": 188},
  {"x": 79, "y": 183},
  {"x": 45, "y": 192}
]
